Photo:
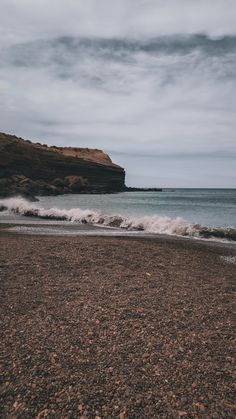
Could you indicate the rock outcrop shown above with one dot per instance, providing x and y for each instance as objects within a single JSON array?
[{"x": 32, "y": 169}]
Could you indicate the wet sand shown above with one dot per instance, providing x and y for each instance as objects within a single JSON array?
[{"x": 105, "y": 327}]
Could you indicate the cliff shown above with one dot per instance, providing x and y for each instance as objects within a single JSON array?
[{"x": 35, "y": 169}]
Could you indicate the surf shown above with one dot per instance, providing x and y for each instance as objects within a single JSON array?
[{"x": 154, "y": 224}]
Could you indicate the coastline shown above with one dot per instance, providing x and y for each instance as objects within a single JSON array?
[
  {"x": 123, "y": 327},
  {"x": 112, "y": 212},
  {"x": 57, "y": 228}
]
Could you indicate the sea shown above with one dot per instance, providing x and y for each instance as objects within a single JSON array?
[{"x": 208, "y": 214}]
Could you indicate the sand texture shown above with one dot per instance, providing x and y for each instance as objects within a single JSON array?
[{"x": 96, "y": 327}]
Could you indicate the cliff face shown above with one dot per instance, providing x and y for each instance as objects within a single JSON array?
[{"x": 36, "y": 169}]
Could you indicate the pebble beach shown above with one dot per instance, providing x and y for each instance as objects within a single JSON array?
[{"x": 116, "y": 327}]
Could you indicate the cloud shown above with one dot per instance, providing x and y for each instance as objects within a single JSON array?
[
  {"x": 178, "y": 172},
  {"x": 27, "y": 19},
  {"x": 152, "y": 83}
]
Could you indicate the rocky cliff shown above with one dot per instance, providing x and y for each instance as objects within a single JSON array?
[{"x": 27, "y": 168}]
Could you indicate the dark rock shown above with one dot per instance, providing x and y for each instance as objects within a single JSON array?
[
  {"x": 133, "y": 189},
  {"x": 34, "y": 169}
]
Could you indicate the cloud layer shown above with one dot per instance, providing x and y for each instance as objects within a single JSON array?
[
  {"x": 27, "y": 19},
  {"x": 152, "y": 84}
]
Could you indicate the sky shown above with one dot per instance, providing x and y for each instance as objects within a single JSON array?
[{"x": 151, "y": 82}]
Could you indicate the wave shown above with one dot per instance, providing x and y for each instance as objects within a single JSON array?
[{"x": 151, "y": 224}]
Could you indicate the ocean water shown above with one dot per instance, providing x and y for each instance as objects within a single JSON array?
[{"x": 200, "y": 213}]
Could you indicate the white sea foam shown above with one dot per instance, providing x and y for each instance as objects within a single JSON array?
[{"x": 150, "y": 224}]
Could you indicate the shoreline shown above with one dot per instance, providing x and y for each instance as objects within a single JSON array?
[
  {"x": 116, "y": 327},
  {"x": 78, "y": 212},
  {"x": 58, "y": 229}
]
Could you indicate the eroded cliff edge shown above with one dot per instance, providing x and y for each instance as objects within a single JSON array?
[{"x": 29, "y": 169}]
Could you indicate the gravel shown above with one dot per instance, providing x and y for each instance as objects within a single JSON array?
[{"x": 96, "y": 327}]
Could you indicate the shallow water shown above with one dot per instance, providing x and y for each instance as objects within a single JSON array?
[
  {"x": 209, "y": 207},
  {"x": 188, "y": 212}
]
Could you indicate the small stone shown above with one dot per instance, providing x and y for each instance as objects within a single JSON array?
[
  {"x": 183, "y": 400},
  {"x": 43, "y": 414},
  {"x": 182, "y": 413},
  {"x": 201, "y": 407}
]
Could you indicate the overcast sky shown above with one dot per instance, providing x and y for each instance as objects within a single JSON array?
[{"x": 151, "y": 82}]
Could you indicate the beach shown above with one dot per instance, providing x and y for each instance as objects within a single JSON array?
[{"x": 116, "y": 327}]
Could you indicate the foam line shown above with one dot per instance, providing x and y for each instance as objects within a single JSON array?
[{"x": 150, "y": 224}]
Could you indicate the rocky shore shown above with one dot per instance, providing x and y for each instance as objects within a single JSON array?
[
  {"x": 30, "y": 169},
  {"x": 98, "y": 327}
]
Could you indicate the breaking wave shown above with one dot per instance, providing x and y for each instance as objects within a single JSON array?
[{"x": 150, "y": 224}]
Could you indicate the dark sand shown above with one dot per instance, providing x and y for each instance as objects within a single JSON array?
[{"x": 101, "y": 327}]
